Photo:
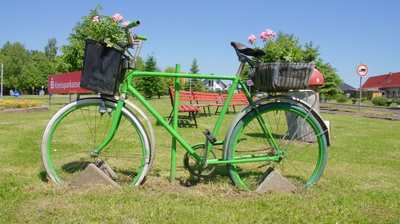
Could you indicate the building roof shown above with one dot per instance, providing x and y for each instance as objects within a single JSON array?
[
  {"x": 223, "y": 84},
  {"x": 346, "y": 86},
  {"x": 382, "y": 81}
]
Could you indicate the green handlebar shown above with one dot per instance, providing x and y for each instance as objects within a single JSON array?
[
  {"x": 140, "y": 37},
  {"x": 133, "y": 24}
]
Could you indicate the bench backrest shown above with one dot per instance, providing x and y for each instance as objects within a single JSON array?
[
  {"x": 207, "y": 97},
  {"x": 241, "y": 97},
  {"x": 183, "y": 95}
]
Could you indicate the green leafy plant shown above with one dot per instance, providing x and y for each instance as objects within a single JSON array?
[
  {"x": 285, "y": 47},
  {"x": 340, "y": 98},
  {"x": 379, "y": 101},
  {"x": 106, "y": 28},
  {"x": 93, "y": 26}
]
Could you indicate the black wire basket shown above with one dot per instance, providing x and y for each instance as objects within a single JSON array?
[
  {"x": 282, "y": 76},
  {"x": 103, "y": 67}
]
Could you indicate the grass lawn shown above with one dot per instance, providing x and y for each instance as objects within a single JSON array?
[{"x": 361, "y": 183}]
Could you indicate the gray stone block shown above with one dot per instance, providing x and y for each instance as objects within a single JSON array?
[
  {"x": 93, "y": 175},
  {"x": 274, "y": 181}
]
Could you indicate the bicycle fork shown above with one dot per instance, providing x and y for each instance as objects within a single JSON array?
[{"x": 116, "y": 118}]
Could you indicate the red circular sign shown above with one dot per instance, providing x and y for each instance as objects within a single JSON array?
[{"x": 362, "y": 70}]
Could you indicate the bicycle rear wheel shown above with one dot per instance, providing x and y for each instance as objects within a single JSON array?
[
  {"x": 80, "y": 127},
  {"x": 296, "y": 132}
]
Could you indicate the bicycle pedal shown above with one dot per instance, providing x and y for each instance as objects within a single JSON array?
[{"x": 210, "y": 137}]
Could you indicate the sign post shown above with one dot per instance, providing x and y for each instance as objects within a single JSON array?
[
  {"x": 1, "y": 88},
  {"x": 65, "y": 83},
  {"x": 362, "y": 70}
]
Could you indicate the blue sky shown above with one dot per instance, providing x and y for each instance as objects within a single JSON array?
[{"x": 347, "y": 32}]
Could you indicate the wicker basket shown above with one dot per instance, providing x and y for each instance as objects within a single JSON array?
[
  {"x": 103, "y": 68},
  {"x": 282, "y": 76}
]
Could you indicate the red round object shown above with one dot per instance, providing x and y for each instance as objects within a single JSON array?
[{"x": 316, "y": 79}]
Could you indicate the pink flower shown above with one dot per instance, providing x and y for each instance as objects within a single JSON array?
[
  {"x": 95, "y": 19},
  {"x": 117, "y": 17},
  {"x": 252, "y": 39},
  {"x": 267, "y": 34},
  {"x": 125, "y": 23}
]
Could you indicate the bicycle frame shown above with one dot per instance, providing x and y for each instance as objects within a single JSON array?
[{"x": 126, "y": 87}]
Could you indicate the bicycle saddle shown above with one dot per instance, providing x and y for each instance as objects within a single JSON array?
[{"x": 246, "y": 50}]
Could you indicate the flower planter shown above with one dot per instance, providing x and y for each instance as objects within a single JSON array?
[
  {"x": 103, "y": 67},
  {"x": 282, "y": 76}
]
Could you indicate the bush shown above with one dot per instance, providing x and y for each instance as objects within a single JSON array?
[
  {"x": 379, "y": 101},
  {"x": 340, "y": 98}
]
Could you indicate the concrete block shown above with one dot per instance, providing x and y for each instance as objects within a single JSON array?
[
  {"x": 274, "y": 181},
  {"x": 93, "y": 175}
]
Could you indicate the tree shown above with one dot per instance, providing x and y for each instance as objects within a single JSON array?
[
  {"x": 43, "y": 67},
  {"x": 16, "y": 59},
  {"x": 51, "y": 49},
  {"x": 194, "y": 69},
  {"x": 25, "y": 69},
  {"x": 149, "y": 86},
  {"x": 194, "y": 84},
  {"x": 169, "y": 81},
  {"x": 332, "y": 80}
]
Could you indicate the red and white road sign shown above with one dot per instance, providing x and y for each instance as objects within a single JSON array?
[{"x": 362, "y": 70}]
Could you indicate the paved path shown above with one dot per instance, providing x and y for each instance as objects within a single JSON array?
[{"x": 388, "y": 113}]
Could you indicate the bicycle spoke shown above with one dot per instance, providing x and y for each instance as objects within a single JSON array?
[
  {"x": 298, "y": 136},
  {"x": 79, "y": 128}
]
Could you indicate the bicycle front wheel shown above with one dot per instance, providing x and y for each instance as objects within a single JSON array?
[
  {"x": 295, "y": 132},
  {"x": 80, "y": 127}
]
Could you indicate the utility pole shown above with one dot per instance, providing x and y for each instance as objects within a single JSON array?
[{"x": 1, "y": 89}]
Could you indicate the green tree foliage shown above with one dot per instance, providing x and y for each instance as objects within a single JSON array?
[
  {"x": 43, "y": 67},
  {"x": 194, "y": 84},
  {"x": 194, "y": 69},
  {"x": 149, "y": 86},
  {"x": 51, "y": 49},
  {"x": 24, "y": 69},
  {"x": 17, "y": 61},
  {"x": 332, "y": 80},
  {"x": 169, "y": 81}
]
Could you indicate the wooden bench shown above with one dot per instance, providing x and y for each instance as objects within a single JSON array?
[
  {"x": 237, "y": 100},
  {"x": 191, "y": 109},
  {"x": 209, "y": 99}
]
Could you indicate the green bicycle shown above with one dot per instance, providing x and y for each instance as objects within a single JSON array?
[{"x": 276, "y": 130}]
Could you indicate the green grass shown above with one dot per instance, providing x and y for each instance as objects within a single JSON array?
[{"x": 361, "y": 183}]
